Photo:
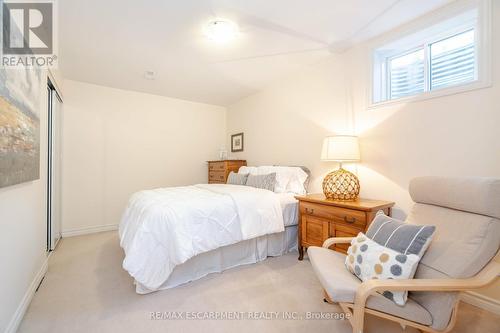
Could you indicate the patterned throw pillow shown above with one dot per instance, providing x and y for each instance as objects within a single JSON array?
[
  {"x": 267, "y": 182},
  {"x": 369, "y": 260},
  {"x": 400, "y": 236},
  {"x": 237, "y": 178}
]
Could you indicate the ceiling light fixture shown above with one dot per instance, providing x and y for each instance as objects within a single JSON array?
[{"x": 221, "y": 31}]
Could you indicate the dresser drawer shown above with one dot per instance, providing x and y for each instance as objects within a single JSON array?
[
  {"x": 339, "y": 215},
  {"x": 219, "y": 170},
  {"x": 234, "y": 166},
  {"x": 217, "y": 176},
  {"x": 217, "y": 166}
]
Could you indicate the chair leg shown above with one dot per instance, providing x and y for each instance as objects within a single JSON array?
[
  {"x": 358, "y": 320},
  {"x": 327, "y": 298}
]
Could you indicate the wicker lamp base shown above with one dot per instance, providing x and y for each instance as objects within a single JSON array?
[{"x": 341, "y": 185}]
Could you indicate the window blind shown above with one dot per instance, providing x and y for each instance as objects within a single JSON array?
[
  {"x": 407, "y": 74},
  {"x": 453, "y": 61}
]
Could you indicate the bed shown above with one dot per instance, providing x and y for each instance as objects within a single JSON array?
[{"x": 172, "y": 236}]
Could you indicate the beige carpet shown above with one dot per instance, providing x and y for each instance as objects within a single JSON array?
[{"x": 86, "y": 290}]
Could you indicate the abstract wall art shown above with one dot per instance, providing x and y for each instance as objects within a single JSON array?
[{"x": 20, "y": 91}]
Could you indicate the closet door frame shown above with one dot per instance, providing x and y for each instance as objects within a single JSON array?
[{"x": 54, "y": 115}]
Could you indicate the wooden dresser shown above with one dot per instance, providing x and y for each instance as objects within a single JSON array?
[
  {"x": 321, "y": 218},
  {"x": 219, "y": 170}
]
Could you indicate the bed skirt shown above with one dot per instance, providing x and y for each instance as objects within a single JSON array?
[{"x": 243, "y": 253}]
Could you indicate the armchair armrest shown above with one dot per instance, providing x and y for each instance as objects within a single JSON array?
[
  {"x": 336, "y": 240},
  {"x": 485, "y": 277}
]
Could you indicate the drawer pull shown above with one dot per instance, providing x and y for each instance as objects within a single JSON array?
[
  {"x": 349, "y": 220},
  {"x": 221, "y": 177},
  {"x": 309, "y": 210}
]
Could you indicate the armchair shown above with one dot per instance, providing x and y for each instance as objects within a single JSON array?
[{"x": 464, "y": 255}]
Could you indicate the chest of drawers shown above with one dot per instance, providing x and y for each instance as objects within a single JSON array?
[{"x": 219, "y": 170}]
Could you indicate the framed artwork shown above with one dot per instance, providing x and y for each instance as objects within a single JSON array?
[
  {"x": 20, "y": 98},
  {"x": 20, "y": 105},
  {"x": 237, "y": 142}
]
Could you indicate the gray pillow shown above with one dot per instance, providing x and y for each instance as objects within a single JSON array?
[
  {"x": 237, "y": 178},
  {"x": 400, "y": 236},
  {"x": 267, "y": 182}
]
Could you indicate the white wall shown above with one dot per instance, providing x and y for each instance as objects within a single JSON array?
[
  {"x": 453, "y": 136},
  {"x": 117, "y": 142},
  {"x": 24, "y": 232},
  {"x": 286, "y": 123}
]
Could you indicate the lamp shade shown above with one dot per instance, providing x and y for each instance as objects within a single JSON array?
[{"x": 340, "y": 148}]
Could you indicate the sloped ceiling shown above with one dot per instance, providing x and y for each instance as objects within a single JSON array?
[{"x": 114, "y": 42}]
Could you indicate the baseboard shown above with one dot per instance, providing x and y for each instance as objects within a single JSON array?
[
  {"x": 481, "y": 301},
  {"x": 28, "y": 296},
  {"x": 89, "y": 230}
]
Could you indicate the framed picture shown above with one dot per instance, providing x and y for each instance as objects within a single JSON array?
[
  {"x": 236, "y": 142},
  {"x": 19, "y": 125}
]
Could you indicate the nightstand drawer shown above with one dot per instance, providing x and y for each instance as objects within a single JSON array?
[
  {"x": 217, "y": 176},
  {"x": 335, "y": 214},
  {"x": 217, "y": 166}
]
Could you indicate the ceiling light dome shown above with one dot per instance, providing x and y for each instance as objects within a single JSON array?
[{"x": 221, "y": 31}]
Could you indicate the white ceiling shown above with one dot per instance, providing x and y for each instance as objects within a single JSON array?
[{"x": 113, "y": 42}]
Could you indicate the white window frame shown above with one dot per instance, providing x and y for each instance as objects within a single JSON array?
[{"x": 483, "y": 54}]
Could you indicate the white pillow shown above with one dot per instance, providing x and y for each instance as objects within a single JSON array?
[
  {"x": 369, "y": 260},
  {"x": 296, "y": 183},
  {"x": 288, "y": 179},
  {"x": 247, "y": 170}
]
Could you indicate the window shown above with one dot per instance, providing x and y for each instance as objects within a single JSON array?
[
  {"x": 406, "y": 74},
  {"x": 437, "y": 57},
  {"x": 452, "y": 61}
]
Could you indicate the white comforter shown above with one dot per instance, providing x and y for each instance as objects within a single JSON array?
[{"x": 165, "y": 227}]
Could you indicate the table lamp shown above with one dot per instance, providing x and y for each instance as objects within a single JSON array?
[{"x": 341, "y": 184}]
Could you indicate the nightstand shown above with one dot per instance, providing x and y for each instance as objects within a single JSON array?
[
  {"x": 321, "y": 218},
  {"x": 219, "y": 170}
]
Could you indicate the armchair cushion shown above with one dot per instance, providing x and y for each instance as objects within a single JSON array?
[
  {"x": 479, "y": 195},
  {"x": 341, "y": 286},
  {"x": 463, "y": 244},
  {"x": 466, "y": 214}
]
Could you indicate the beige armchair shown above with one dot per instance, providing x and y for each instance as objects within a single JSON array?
[{"x": 464, "y": 255}]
